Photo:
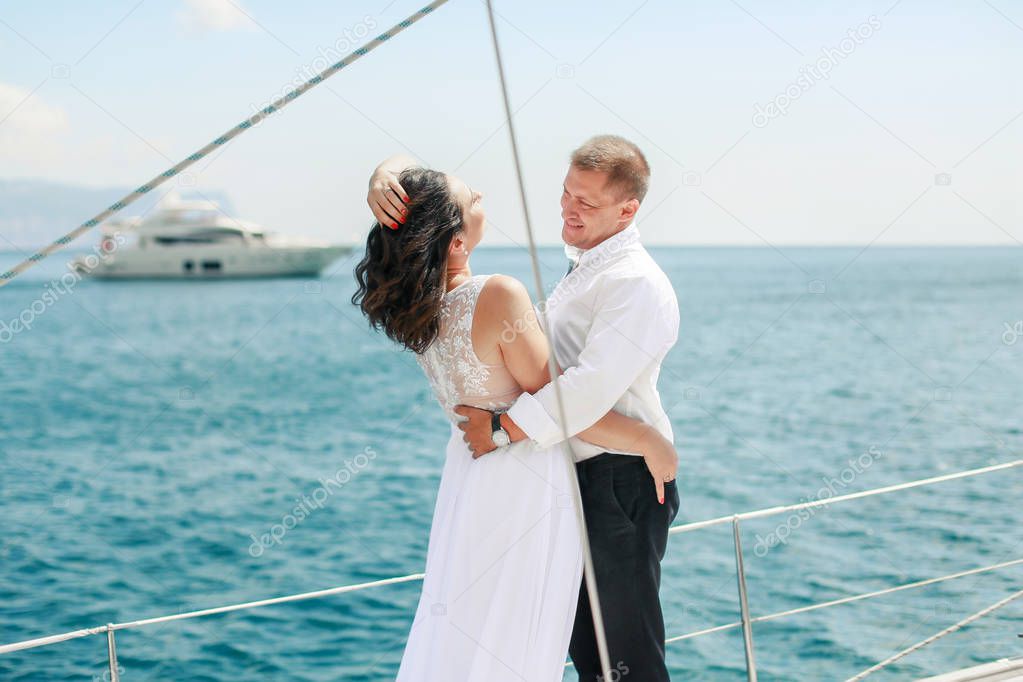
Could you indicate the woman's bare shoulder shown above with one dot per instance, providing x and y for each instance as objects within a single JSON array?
[{"x": 503, "y": 292}]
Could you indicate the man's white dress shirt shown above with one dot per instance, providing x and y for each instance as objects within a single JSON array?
[{"x": 611, "y": 321}]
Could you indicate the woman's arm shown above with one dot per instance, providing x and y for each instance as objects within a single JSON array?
[
  {"x": 615, "y": 431},
  {"x": 386, "y": 198},
  {"x": 506, "y": 311},
  {"x": 524, "y": 348}
]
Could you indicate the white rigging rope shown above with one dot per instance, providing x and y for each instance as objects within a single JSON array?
[
  {"x": 273, "y": 107},
  {"x": 569, "y": 454},
  {"x": 947, "y": 631},
  {"x": 9, "y": 275}
]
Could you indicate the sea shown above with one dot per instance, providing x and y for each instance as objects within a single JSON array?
[{"x": 157, "y": 439}]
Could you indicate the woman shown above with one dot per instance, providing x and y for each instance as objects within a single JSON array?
[{"x": 504, "y": 560}]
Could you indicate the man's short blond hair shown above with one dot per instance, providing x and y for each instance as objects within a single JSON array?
[{"x": 627, "y": 170}]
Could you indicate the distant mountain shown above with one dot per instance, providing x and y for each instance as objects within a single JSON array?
[{"x": 35, "y": 212}]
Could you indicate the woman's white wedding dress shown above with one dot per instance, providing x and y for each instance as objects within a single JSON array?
[{"x": 504, "y": 562}]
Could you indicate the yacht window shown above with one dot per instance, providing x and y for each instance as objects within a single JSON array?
[{"x": 204, "y": 236}]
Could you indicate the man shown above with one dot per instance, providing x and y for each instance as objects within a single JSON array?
[{"x": 611, "y": 320}]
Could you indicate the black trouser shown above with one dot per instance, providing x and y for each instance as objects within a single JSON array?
[{"x": 628, "y": 532}]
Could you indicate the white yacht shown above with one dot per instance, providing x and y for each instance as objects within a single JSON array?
[{"x": 195, "y": 239}]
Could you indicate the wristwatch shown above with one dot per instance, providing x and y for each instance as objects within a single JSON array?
[{"x": 499, "y": 435}]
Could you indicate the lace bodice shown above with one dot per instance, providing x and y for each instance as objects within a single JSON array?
[{"x": 456, "y": 373}]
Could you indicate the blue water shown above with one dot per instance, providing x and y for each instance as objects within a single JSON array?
[{"x": 150, "y": 429}]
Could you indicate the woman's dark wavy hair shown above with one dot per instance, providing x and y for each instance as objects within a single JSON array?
[{"x": 401, "y": 278}]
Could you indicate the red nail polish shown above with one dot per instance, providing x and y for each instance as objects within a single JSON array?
[
  {"x": 662, "y": 500},
  {"x": 394, "y": 226}
]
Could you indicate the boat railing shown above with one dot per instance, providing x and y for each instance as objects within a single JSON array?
[{"x": 745, "y": 621}]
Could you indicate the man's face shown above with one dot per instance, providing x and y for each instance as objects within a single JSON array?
[{"x": 591, "y": 212}]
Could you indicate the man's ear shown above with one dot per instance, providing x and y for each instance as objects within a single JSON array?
[{"x": 629, "y": 210}]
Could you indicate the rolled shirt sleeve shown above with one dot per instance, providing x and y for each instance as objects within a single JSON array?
[{"x": 634, "y": 325}]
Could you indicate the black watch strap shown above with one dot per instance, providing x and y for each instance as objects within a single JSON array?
[{"x": 495, "y": 422}]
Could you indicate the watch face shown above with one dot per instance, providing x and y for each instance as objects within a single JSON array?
[{"x": 501, "y": 438}]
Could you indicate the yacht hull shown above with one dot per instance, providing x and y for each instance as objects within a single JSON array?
[{"x": 210, "y": 262}]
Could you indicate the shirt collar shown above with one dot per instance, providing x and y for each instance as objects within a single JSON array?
[{"x": 609, "y": 246}]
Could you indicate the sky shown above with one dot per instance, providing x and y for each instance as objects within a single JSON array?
[{"x": 765, "y": 123}]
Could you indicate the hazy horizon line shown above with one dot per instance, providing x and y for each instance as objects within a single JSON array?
[{"x": 658, "y": 245}]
